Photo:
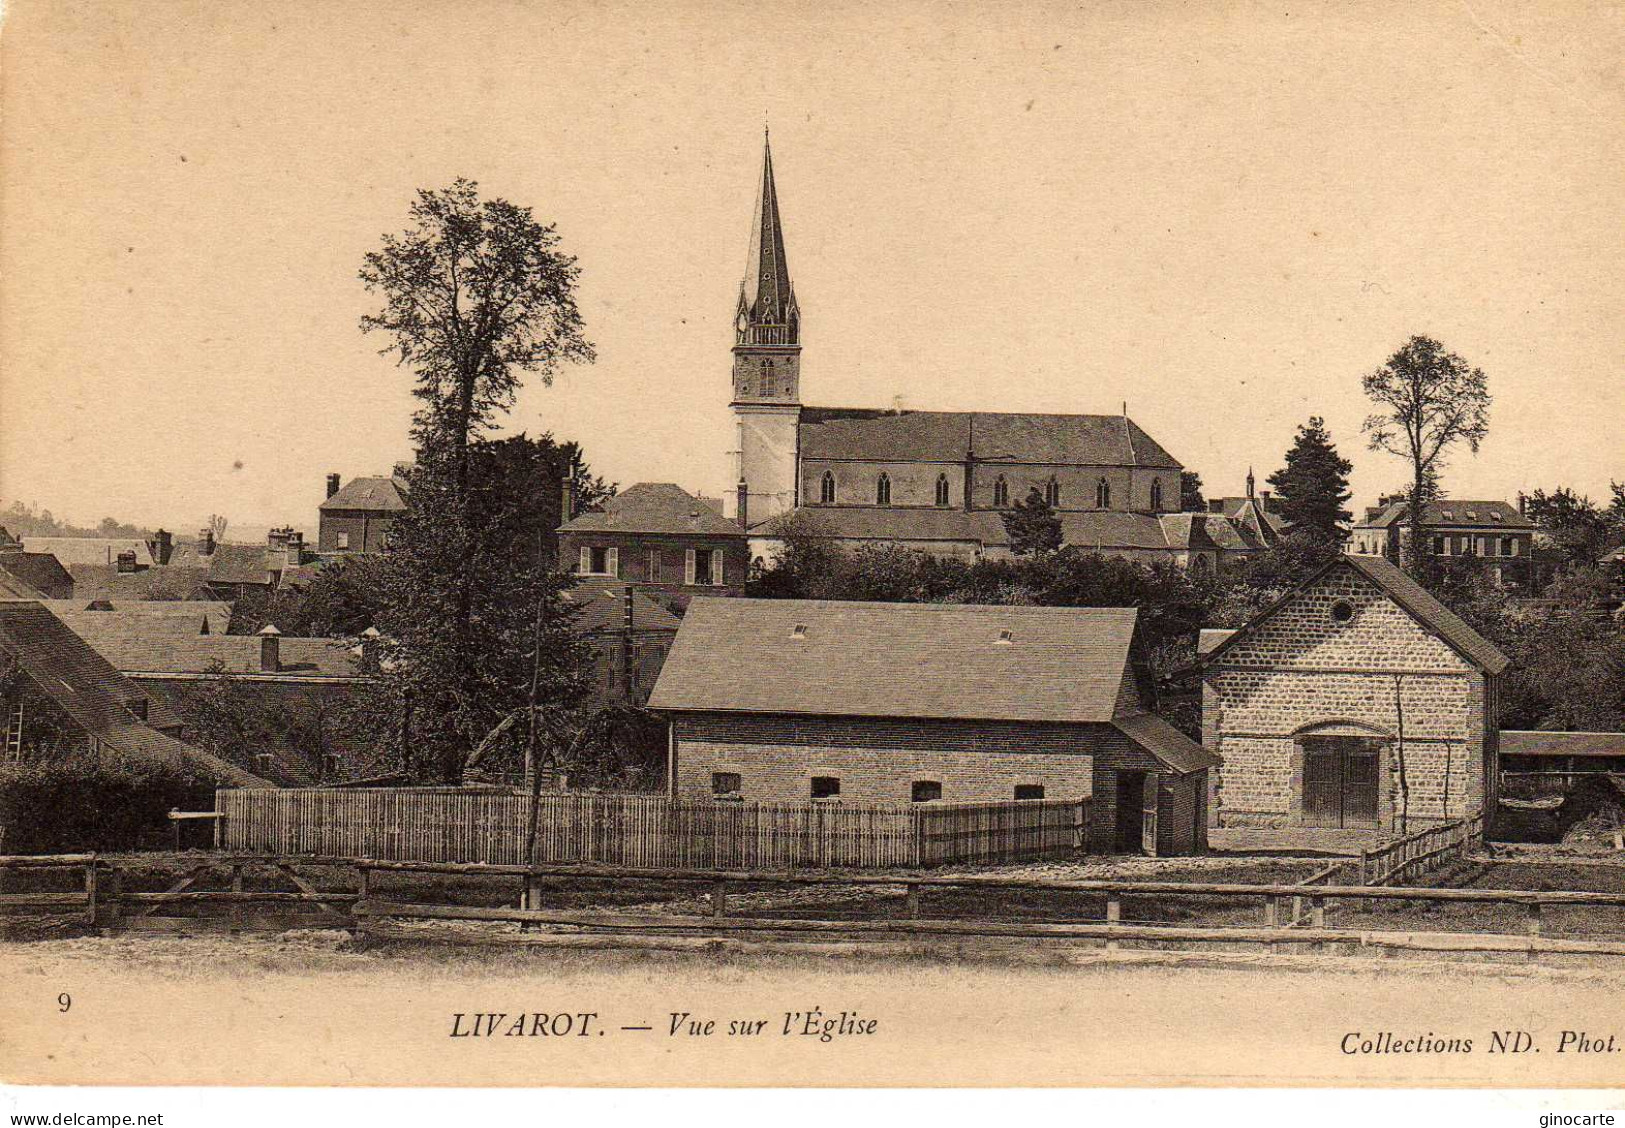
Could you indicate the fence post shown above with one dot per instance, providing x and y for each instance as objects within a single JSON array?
[
  {"x": 1114, "y": 915},
  {"x": 90, "y": 891},
  {"x": 913, "y": 900},
  {"x": 236, "y": 887},
  {"x": 1317, "y": 920},
  {"x": 1272, "y": 915},
  {"x": 719, "y": 899},
  {"x": 1531, "y": 927}
]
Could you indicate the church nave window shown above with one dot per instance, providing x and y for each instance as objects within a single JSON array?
[
  {"x": 1103, "y": 494},
  {"x": 942, "y": 489},
  {"x": 883, "y": 490},
  {"x": 1156, "y": 494},
  {"x": 826, "y": 489},
  {"x": 1052, "y": 493},
  {"x": 1001, "y": 493}
]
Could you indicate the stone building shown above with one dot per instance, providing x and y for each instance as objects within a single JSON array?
[
  {"x": 933, "y": 480},
  {"x": 659, "y": 536},
  {"x": 630, "y": 634},
  {"x": 1492, "y": 534},
  {"x": 1358, "y": 701},
  {"x": 888, "y": 703}
]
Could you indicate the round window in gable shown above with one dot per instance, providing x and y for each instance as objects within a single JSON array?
[{"x": 1342, "y": 612}]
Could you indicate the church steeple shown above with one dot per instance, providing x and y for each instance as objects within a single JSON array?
[
  {"x": 767, "y": 320},
  {"x": 767, "y": 313}
]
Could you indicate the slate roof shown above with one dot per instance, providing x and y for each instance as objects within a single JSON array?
[
  {"x": 137, "y": 645},
  {"x": 655, "y": 507},
  {"x": 1522, "y": 742},
  {"x": 1060, "y": 665},
  {"x": 1451, "y": 513},
  {"x": 1207, "y": 531},
  {"x": 243, "y": 564},
  {"x": 1171, "y": 747},
  {"x": 101, "y": 581},
  {"x": 1411, "y": 596},
  {"x": 95, "y": 695},
  {"x": 603, "y": 608},
  {"x": 379, "y": 495},
  {"x": 89, "y": 550},
  {"x": 1105, "y": 529},
  {"x": 13, "y": 588},
  {"x": 39, "y": 570},
  {"x": 160, "y": 616},
  {"x": 865, "y": 435}
]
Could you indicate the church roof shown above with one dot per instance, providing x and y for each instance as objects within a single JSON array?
[
  {"x": 1105, "y": 530},
  {"x": 859, "y": 434}
]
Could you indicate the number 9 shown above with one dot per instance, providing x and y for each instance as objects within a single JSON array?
[{"x": 64, "y": 1001}]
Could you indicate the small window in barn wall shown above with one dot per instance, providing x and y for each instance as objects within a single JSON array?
[
  {"x": 725, "y": 784},
  {"x": 1026, "y": 791},
  {"x": 826, "y": 787},
  {"x": 925, "y": 791}
]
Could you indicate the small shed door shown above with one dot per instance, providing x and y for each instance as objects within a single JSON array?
[
  {"x": 1148, "y": 823},
  {"x": 1322, "y": 785},
  {"x": 1340, "y": 781}
]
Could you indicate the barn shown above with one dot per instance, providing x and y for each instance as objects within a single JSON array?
[
  {"x": 1357, "y": 702},
  {"x": 889, "y": 703}
]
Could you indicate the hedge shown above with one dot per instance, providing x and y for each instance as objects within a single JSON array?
[{"x": 85, "y": 801}]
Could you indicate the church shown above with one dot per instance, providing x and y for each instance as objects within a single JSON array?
[{"x": 937, "y": 480}]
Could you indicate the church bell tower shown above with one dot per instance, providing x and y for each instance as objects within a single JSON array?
[{"x": 767, "y": 365}]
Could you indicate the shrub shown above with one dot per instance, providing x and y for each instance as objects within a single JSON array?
[{"x": 85, "y": 801}]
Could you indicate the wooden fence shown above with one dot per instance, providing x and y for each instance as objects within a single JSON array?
[
  {"x": 1398, "y": 861},
  {"x": 438, "y": 825}
]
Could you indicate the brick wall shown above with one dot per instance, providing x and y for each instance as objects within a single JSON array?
[
  {"x": 1380, "y": 675},
  {"x": 365, "y": 530},
  {"x": 878, "y": 760},
  {"x": 659, "y": 564}
]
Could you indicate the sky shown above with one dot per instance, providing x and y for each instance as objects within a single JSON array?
[{"x": 1221, "y": 214}]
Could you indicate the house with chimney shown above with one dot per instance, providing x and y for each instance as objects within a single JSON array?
[
  {"x": 295, "y": 699},
  {"x": 58, "y": 695},
  {"x": 657, "y": 535},
  {"x": 1493, "y": 536},
  {"x": 798, "y": 701},
  {"x": 630, "y": 634},
  {"x": 356, "y": 515}
]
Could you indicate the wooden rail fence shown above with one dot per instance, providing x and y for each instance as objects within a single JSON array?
[
  {"x": 640, "y": 830},
  {"x": 104, "y": 903},
  {"x": 1421, "y": 852}
]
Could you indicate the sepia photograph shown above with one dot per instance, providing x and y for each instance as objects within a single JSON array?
[{"x": 785, "y": 544}]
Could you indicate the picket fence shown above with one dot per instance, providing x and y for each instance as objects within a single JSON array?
[{"x": 465, "y": 825}]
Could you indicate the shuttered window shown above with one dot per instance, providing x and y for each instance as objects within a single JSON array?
[{"x": 689, "y": 564}]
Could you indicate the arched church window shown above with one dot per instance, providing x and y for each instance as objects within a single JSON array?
[
  {"x": 883, "y": 489},
  {"x": 766, "y": 386},
  {"x": 1001, "y": 492},
  {"x": 1052, "y": 493},
  {"x": 1156, "y": 493},
  {"x": 942, "y": 489},
  {"x": 1103, "y": 494},
  {"x": 826, "y": 489}
]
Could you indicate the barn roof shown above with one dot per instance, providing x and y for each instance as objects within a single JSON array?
[{"x": 1036, "y": 664}]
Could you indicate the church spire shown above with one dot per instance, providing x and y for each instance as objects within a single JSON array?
[{"x": 767, "y": 313}]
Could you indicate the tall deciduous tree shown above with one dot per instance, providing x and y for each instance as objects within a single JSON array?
[
  {"x": 1430, "y": 400},
  {"x": 475, "y": 293},
  {"x": 1032, "y": 525},
  {"x": 1312, "y": 489}
]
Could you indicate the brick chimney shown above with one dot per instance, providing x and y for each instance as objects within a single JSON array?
[
  {"x": 205, "y": 541},
  {"x": 567, "y": 500},
  {"x": 1523, "y": 504},
  {"x": 270, "y": 649},
  {"x": 162, "y": 546},
  {"x": 743, "y": 505},
  {"x": 295, "y": 548},
  {"x": 332, "y": 484},
  {"x": 126, "y": 562}
]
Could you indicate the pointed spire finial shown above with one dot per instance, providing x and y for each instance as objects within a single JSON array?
[{"x": 1249, "y": 481}]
